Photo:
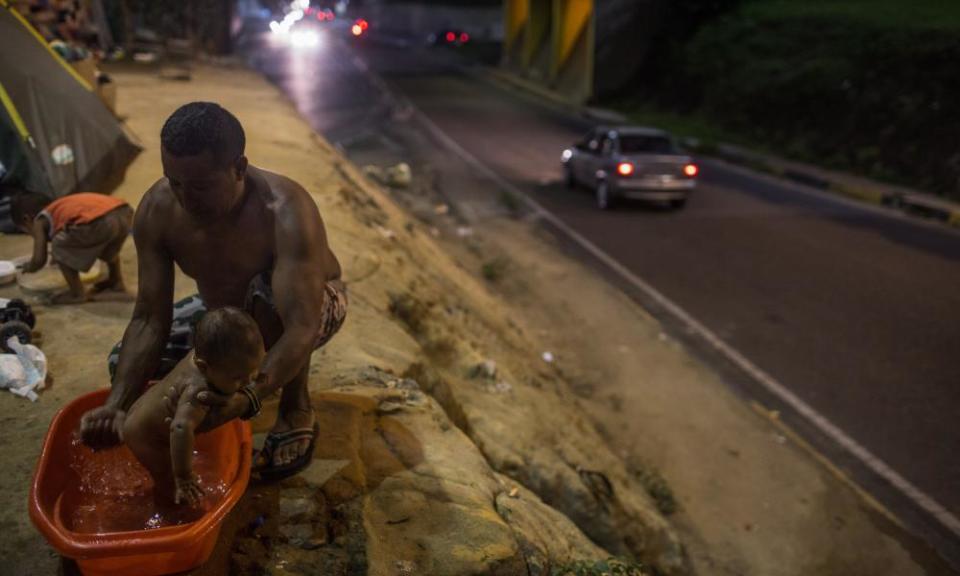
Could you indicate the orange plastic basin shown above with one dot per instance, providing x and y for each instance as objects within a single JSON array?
[{"x": 143, "y": 552}]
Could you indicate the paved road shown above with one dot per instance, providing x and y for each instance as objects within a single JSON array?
[{"x": 854, "y": 310}]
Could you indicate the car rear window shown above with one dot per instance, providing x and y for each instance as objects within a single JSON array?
[{"x": 645, "y": 145}]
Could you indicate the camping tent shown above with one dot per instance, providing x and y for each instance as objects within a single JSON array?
[{"x": 56, "y": 136}]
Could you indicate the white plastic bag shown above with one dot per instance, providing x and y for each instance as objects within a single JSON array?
[{"x": 24, "y": 372}]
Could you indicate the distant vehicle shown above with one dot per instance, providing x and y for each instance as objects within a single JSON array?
[
  {"x": 320, "y": 14},
  {"x": 448, "y": 37},
  {"x": 630, "y": 162},
  {"x": 360, "y": 27}
]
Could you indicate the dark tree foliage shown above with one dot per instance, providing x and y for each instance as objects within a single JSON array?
[{"x": 678, "y": 23}]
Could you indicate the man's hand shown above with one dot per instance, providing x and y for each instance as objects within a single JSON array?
[
  {"x": 222, "y": 409},
  {"x": 188, "y": 491},
  {"x": 102, "y": 427}
]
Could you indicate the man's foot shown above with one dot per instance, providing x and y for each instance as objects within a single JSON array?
[
  {"x": 287, "y": 449},
  {"x": 296, "y": 419}
]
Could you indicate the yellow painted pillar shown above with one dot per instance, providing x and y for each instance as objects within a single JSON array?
[
  {"x": 537, "y": 34},
  {"x": 571, "y": 21},
  {"x": 516, "y": 16}
]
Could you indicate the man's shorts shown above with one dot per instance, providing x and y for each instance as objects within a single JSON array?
[
  {"x": 188, "y": 312},
  {"x": 78, "y": 246}
]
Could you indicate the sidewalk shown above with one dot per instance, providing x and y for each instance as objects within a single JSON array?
[
  {"x": 396, "y": 487},
  {"x": 912, "y": 202}
]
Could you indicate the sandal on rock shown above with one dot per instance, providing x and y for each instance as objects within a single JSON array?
[{"x": 271, "y": 473}]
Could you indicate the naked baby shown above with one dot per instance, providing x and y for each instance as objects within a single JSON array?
[{"x": 160, "y": 426}]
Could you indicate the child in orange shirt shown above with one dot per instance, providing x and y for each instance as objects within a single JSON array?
[{"x": 80, "y": 228}]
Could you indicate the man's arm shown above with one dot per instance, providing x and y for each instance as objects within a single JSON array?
[
  {"x": 188, "y": 416},
  {"x": 147, "y": 331},
  {"x": 298, "y": 289},
  {"x": 299, "y": 277}
]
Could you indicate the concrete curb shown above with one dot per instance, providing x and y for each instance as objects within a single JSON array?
[
  {"x": 512, "y": 81},
  {"x": 911, "y": 202}
]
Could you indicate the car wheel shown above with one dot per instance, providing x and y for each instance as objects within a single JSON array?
[
  {"x": 604, "y": 198},
  {"x": 568, "y": 179},
  {"x": 678, "y": 204}
]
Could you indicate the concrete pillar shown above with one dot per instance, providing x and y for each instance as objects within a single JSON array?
[
  {"x": 516, "y": 16},
  {"x": 552, "y": 41},
  {"x": 571, "y": 71},
  {"x": 537, "y": 52}
]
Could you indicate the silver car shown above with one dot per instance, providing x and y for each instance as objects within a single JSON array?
[{"x": 630, "y": 162}]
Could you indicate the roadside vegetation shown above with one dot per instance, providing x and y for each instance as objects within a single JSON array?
[{"x": 858, "y": 85}]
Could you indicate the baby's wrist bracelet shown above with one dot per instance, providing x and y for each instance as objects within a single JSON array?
[{"x": 255, "y": 405}]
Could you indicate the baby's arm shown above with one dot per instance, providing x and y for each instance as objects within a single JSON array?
[{"x": 188, "y": 416}]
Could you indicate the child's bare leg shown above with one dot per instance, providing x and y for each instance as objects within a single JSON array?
[
  {"x": 76, "y": 293},
  {"x": 111, "y": 255},
  {"x": 113, "y": 288},
  {"x": 155, "y": 457},
  {"x": 114, "y": 281}
]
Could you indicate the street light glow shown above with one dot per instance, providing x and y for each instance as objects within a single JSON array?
[{"x": 304, "y": 38}]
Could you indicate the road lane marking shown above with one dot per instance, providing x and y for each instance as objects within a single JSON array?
[{"x": 820, "y": 422}]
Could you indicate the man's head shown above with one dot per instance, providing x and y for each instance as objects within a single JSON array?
[
  {"x": 228, "y": 349},
  {"x": 202, "y": 154},
  {"x": 24, "y": 207}
]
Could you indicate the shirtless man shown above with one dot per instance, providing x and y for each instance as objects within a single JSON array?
[{"x": 251, "y": 239}]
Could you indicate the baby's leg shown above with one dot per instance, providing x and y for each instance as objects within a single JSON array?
[{"x": 154, "y": 455}]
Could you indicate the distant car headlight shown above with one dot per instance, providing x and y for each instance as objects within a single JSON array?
[
  {"x": 304, "y": 38},
  {"x": 567, "y": 154}
]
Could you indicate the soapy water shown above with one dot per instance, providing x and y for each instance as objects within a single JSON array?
[{"x": 113, "y": 492}]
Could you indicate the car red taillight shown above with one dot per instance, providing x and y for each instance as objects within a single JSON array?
[
  {"x": 624, "y": 168},
  {"x": 451, "y": 37},
  {"x": 359, "y": 27},
  {"x": 464, "y": 37},
  {"x": 691, "y": 170}
]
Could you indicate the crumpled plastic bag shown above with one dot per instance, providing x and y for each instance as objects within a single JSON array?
[{"x": 24, "y": 372}]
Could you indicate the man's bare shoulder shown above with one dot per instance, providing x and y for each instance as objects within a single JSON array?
[
  {"x": 159, "y": 195},
  {"x": 281, "y": 193},
  {"x": 156, "y": 207}
]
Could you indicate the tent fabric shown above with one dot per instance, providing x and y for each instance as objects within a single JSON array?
[
  {"x": 74, "y": 143},
  {"x": 19, "y": 161}
]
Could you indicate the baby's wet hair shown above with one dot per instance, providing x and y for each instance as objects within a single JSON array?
[{"x": 226, "y": 335}]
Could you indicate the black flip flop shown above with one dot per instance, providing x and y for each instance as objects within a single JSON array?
[{"x": 270, "y": 473}]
